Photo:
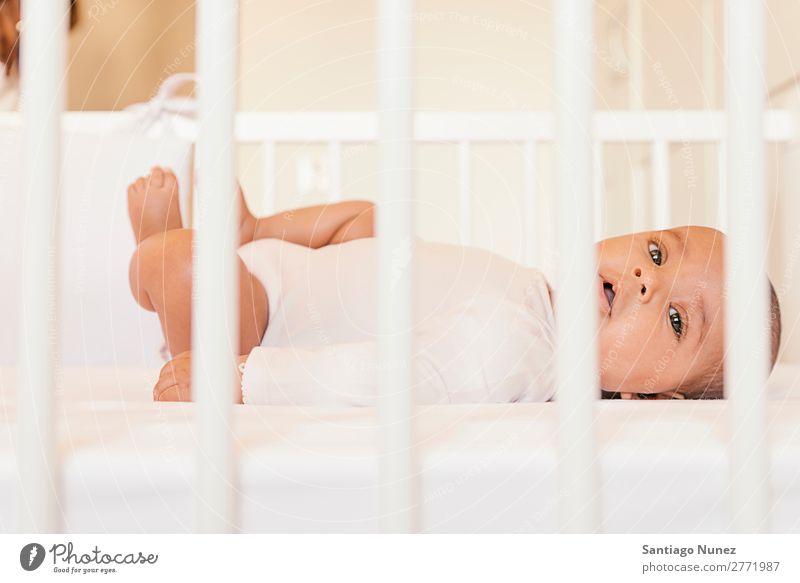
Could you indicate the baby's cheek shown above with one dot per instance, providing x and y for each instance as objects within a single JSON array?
[
  {"x": 616, "y": 335},
  {"x": 660, "y": 367},
  {"x": 610, "y": 353}
]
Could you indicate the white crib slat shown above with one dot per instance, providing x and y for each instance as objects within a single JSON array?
[
  {"x": 599, "y": 190},
  {"x": 464, "y": 193},
  {"x": 43, "y": 58},
  {"x": 747, "y": 307},
  {"x": 215, "y": 316},
  {"x": 661, "y": 191},
  {"x": 334, "y": 171},
  {"x": 533, "y": 240},
  {"x": 268, "y": 173},
  {"x": 638, "y": 195},
  {"x": 576, "y": 315},
  {"x": 722, "y": 195},
  {"x": 395, "y": 222}
]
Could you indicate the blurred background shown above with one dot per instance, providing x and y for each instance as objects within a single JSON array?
[{"x": 471, "y": 55}]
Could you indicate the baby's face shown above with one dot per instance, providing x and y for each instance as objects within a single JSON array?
[{"x": 660, "y": 298}]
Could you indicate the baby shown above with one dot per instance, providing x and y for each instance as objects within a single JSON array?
[{"x": 484, "y": 326}]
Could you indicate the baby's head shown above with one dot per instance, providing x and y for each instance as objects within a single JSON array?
[{"x": 661, "y": 314}]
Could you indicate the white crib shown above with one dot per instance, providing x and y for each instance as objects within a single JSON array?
[{"x": 107, "y": 459}]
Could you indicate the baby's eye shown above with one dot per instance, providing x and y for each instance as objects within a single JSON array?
[
  {"x": 655, "y": 252},
  {"x": 675, "y": 320}
]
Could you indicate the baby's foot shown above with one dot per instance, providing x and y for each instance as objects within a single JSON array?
[
  {"x": 153, "y": 204},
  {"x": 247, "y": 222}
]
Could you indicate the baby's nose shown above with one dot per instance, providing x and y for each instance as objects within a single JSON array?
[{"x": 642, "y": 282}]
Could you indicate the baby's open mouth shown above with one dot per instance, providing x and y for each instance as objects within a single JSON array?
[
  {"x": 608, "y": 290},
  {"x": 606, "y": 293}
]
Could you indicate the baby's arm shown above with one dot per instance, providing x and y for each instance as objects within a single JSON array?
[{"x": 315, "y": 226}]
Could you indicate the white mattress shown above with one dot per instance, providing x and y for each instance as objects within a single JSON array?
[{"x": 128, "y": 463}]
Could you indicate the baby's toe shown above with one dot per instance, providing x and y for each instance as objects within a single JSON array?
[
  {"x": 133, "y": 196},
  {"x": 133, "y": 188},
  {"x": 157, "y": 177},
  {"x": 170, "y": 181}
]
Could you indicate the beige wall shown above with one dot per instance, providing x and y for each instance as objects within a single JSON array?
[
  {"x": 121, "y": 50},
  {"x": 472, "y": 55}
]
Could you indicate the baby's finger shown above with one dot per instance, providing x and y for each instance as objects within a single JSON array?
[
  {"x": 164, "y": 395},
  {"x": 175, "y": 393},
  {"x": 168, "y": 371},
  {"x": 167, "y": 376},
  {"x": 161, "y": 386},
  {"x": 164, "y": 380}
]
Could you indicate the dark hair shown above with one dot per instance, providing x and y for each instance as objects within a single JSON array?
[
  {"x": 12, "y": 61},
  {"x": 73, "y": 9},
  {"x": 711, "y": 385},
  {"x": 73, "y": 14}
]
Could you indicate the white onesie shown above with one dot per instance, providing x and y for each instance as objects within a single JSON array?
[
  {"x": 9, "y": 90},
  {"x": 484, "y": 326}
]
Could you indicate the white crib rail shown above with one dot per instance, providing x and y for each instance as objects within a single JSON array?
[
  {"x": 576, "y": 318},
  {"x": 395, "y": 228},
  {"x": 43, "y": 58},
  {"x": 662, "y": 210},
  {"x": 215, "y": 316},
  {"x": 748, "y": 333},
  {"x": 323, "y": 127},
  {"x": 656, "y": 129}
]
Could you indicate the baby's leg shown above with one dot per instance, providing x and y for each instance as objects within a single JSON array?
[
  {"x": 161, "y": 281},
  {"x": 154, "y": 206},
  {"x": 160, "y": 270}
]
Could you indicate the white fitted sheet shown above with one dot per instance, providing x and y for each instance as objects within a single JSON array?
[{"x": 128, "y": 463}]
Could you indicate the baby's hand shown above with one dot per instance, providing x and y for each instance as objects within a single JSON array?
[{"x": 174, "y": 381}]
